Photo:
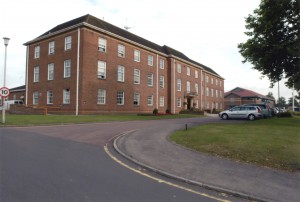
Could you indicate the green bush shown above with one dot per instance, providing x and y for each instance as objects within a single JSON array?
[{"x": 284, "y": 114}]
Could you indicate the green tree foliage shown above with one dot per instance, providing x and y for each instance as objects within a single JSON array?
[
  {"x": 273, "y": 47},
  {"x": 281, "y": 102},
  {"x": 296, "y": 103},
  {"x": 270, "y": 95}
]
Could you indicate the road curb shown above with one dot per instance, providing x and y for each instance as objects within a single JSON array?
[{"x": 169, "y": 175}]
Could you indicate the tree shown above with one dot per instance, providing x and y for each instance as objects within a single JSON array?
[
  {"x": 281, "y": 102},
  {"x": 270, "y": 95},
  {"x": 290, "y": 102},
  {"x": 273, "y": 45}
]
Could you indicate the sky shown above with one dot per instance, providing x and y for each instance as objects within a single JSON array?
[{"x": 205, "y": 31}]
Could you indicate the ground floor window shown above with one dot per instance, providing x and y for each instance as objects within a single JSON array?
[
  {"x": 150, "y": 100},
  {"x": 161, "y": 101},
  {"x": 120, "y": 98},
  {"x": 66, "y": 96},
  {"x": 101, "y": 98},
  {"x": 179, "y": 102},
  {"x": 49, "y": 97},
  {"x": 136, "y": 99},
  {"x": 35, "y": 98}
]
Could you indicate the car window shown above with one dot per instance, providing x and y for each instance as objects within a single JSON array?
[
  {"x": 242, "y": 108},
  {"x": 235, "y": 109},
  {"x": 250, "y": 108}
]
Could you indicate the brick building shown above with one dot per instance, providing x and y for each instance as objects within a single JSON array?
[
  {"x": 87, "y": 65},
  {"x": 240, "y": 96}
]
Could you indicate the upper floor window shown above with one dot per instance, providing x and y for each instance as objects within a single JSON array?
[
  {"x": 37, "y": 50},
  {"x": 121, "y": 50},
  {"x": 196, "y": 88},
  {"x": 212, "y": 92},
  {"x": 179, "y": 68},
  {"x": 178, "y": 84},
  {"x": 217, "y": 82},
  {"x": 101, "y": 44},
  {"x": 50, "y": 71},
  {"x": 36, "y": 73},
  {"x": 206, "y": 78},
  {"x": 67, "y": 68},
  {"x": 161, "y": 64},
  {"x": 220, "y": 83},
  {"x": 101, "y": 97},
  {"x": 68, "y": 42},
  {"x": 121, "y": 73},
  {"x": 66, "y": 96},
  {"x": 137, "y": 55},
  {"x": 207, "y": 91},
  {"x": 51, "y": 47},
  {"x": 136, "y": 76},
  {"x": 150, "y": 79},
  {"x": 188, "y": 71},
  {"x": 212, "y": 80},
  {"x": 217, "y": 95},
  {"x": 196, "y": 74},
  {"x": 188, "y": 86},
  {"x": 150, "y": 60},
  {"x": 162, "y": 81},
  {"x": 101, "y": 69}
]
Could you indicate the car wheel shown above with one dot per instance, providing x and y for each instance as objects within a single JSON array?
[
  {"x": 224, "y": 116},
  {"x": 251, "y": 117}
]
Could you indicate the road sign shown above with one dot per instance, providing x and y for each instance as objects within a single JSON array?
[{"x": 4, "y": 92}]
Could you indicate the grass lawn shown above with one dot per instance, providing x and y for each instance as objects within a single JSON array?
[
  {"x": 28, "y": 120},
  {"x": 268, "y": 142}
]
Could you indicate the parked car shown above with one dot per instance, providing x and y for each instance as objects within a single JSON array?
[
  {"x": 265, "y": 109},
  {"x": 242, "y": 112}
]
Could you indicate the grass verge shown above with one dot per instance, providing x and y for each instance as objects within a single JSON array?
[
  {"x": 268, "y": 142},
  {"x": 29, "y": 120}
]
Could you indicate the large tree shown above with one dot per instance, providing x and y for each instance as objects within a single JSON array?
[{"x": 273, "y": 47}]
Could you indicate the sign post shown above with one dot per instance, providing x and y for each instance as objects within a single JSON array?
[{"x": 4, "y": 92}]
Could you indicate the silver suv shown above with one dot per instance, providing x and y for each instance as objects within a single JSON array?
[{"x": 242, "y": 112}]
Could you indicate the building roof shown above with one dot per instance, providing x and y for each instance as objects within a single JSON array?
[
  {"x": 244, "y": 93},
  {"x": 101, "y": 24},
  {"x": 17, "y": 89}
]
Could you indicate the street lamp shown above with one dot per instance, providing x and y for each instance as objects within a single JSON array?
[{"x": 6, "y": 40}]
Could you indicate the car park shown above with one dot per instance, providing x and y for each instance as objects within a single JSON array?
[{"x": 242, "y": 112}]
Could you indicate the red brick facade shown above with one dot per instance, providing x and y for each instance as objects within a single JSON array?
[{"x": 84, "y": 84}]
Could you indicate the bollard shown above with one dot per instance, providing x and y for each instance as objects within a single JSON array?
[{"x": 186, "y": 126}]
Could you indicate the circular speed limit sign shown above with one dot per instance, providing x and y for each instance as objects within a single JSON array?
[{"x": 4, "y": 92}]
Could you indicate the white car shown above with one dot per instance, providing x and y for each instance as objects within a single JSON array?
[{"x": 242, "y": 112}]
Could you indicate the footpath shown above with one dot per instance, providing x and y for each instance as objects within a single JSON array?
[{"x": 151, "y": 148}]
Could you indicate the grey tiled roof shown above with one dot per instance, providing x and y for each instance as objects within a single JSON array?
[{"x": 91, "y": 20}]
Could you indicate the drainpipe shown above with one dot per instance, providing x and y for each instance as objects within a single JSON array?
[
  {"x": 26, "y": 79},
  {"x": 174, "y": 84},
  {"x": 156, "y": 81},
  {"x": 77, "y": 79}
]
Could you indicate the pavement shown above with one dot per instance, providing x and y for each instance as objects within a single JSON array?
[{"x": 151, "y": 149}]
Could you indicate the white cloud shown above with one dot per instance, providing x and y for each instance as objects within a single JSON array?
[{"x": 205, "y": 31}]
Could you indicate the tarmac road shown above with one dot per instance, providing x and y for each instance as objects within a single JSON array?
[{"x": 69, "y": 163}]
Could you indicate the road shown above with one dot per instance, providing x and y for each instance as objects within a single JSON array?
[{"x": 69, "y": 163}]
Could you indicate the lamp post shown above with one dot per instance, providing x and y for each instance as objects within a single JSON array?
[{"x": 6, "y": 40}]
